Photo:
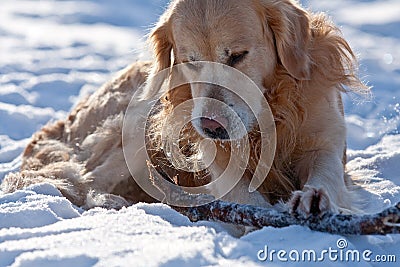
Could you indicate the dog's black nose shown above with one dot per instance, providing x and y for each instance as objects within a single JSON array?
[{"x": 213, "y": 129}]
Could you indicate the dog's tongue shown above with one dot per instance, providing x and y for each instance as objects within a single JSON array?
[{"x": 214, "y": 123}]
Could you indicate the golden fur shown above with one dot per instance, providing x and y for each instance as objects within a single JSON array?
[{"x": 298, "y": 58}]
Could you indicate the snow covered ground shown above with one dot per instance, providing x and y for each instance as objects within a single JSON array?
[{"x": 53, "y": 52}]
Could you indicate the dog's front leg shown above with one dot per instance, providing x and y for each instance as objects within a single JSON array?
[{"x": 322, "y": 174}]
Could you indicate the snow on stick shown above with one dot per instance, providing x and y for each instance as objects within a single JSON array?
[{"x": 385, "y": 222}]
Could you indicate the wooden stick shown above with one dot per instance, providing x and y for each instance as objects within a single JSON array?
[{"x": 385, "y": 222}]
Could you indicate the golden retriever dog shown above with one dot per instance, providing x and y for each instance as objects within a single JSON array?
[{"x": 300, "y": 62}]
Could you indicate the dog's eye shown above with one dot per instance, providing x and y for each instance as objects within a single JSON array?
[{"x": 237, "y": 58}]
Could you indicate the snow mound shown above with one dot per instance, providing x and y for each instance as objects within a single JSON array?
[{"x": 54, "y": 52}]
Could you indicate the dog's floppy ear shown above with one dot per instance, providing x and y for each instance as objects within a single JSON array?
[
  {"x": 160, "y": 40},
  {"x": 291, "y": 28}
]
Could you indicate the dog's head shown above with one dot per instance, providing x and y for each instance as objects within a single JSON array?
[{"x": 252, "y": 36}]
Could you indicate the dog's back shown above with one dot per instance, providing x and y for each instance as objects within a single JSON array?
[{"x": 83, "y": 154}]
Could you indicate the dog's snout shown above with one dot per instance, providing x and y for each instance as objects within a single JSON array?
[
  {"x": 210, "y": 125},
  {"x": 214, "y": 129}
]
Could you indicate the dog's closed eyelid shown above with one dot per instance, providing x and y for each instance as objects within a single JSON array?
[
  {"x": 236, "y": 58},
  {"x": 192, "y": 58}
]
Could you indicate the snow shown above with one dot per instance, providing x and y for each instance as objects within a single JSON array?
[{"x": 55, "y": 52}]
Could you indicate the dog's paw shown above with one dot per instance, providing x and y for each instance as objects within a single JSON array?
[{"x": 311, "y": 201}]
